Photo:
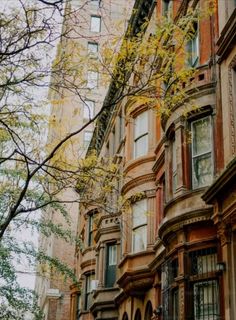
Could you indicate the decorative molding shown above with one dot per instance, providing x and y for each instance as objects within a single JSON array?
[
  {"x": 173, "y": 225},
  {"x": 138, "y": 181},
  {"x": 137, "y": 162},
  {"x": 224, "y": 234}
]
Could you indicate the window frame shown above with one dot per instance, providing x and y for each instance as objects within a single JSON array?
[
  {"x": 92, "y": 53},
  {"x": 92, "y": 28},
  {"x": 88, "y": 291},
  {"x": 195, "y": 156},
  {"x": 111, "y": 265},
  {"x": 193, "y": 47},
  {"x": 90, "y": 229},
  {"x": 139, "y": 137},
  {"x": 136, "y": 228}
]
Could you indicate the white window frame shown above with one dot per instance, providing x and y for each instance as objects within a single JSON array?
[
  {"x": 139, "y": 228},
  {"x": 95, "y": 24},
  {"x": 196, "y": 185},
  {"x": 140, "y": 134}
]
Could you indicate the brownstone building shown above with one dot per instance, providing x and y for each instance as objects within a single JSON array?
[{"x": 171, "y": 254}]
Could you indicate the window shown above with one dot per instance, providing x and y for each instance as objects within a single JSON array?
[
  {"x": 78, "y": 307},
  {"x": 121, "y": 127},
  {"x": 202, "y": 164},
  {"x": 92, "y": 80},
  {"x": 88, "y": 291},
  {"x": 206, "y": 305},
  {"x": 92, "y": 49},
  {"x": 167, "y": 6},
  {"x": 193, "y": 46},
  {"x": 111, "y": 261},
  {"x": 90, "y": 230},
  {"x": 95, "y": 25},
  {"x": 141, "y": 135},
  {"x": 139, "y": 226},
  {"x": 87, "y": 138},
  {"x": 205, "y": 292},
  {"x": 174, "y": 166},
  {"x": 170, "y": 293},
  {"x": 88, "y": 109}
]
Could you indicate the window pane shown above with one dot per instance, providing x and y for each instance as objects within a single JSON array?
[
  {"x": 141, "y": 146},
  {"x": 92, "y": 48},
  {"x": 140, "y": 124},
  {"x": 88, "y": 109},
  {"x": 202, "y": 171},
  {"x": 139, "y": 239},
  {"x": 112, "y": 255},
  {"x": 95, "y": 24},
  {"x": 92, "y": 79},
  {"x": 201, "y": 136},
  {"x": 140, "y": 213}
]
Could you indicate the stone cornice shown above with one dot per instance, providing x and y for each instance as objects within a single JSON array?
[
  {"x": 173, "y": 225},
  {"x": 137, "y": 162},
  {"x": 137, "y": 182},
  {"x": 220, "y": 185},
  {"x": 109, "y": 230},
  {"x": 227, "y": 38},
  {"x": 88, "y": 263},
  {"x": 136, "y": 282}
]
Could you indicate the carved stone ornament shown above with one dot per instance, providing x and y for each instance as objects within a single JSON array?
[
  {"x": 231, "y": 105},
  {"x": 223, "y": 234}
]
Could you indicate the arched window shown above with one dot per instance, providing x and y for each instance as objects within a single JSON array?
[
  {"x": 148, "y": 311},
  {"x": 125, "y": 316},
  {"x": 137, "y": 315}
]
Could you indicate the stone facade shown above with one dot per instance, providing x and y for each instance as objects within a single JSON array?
[{"x": 171, "y": 253}]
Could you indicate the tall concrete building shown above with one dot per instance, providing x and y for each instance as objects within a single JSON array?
[{"x": 88, "y": 27}]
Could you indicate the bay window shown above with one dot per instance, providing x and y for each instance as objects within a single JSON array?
[
  {"x": 141, "y": 135},
  {"x": 202, "y": 162},
  {"x": 139, "y": 226}
]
